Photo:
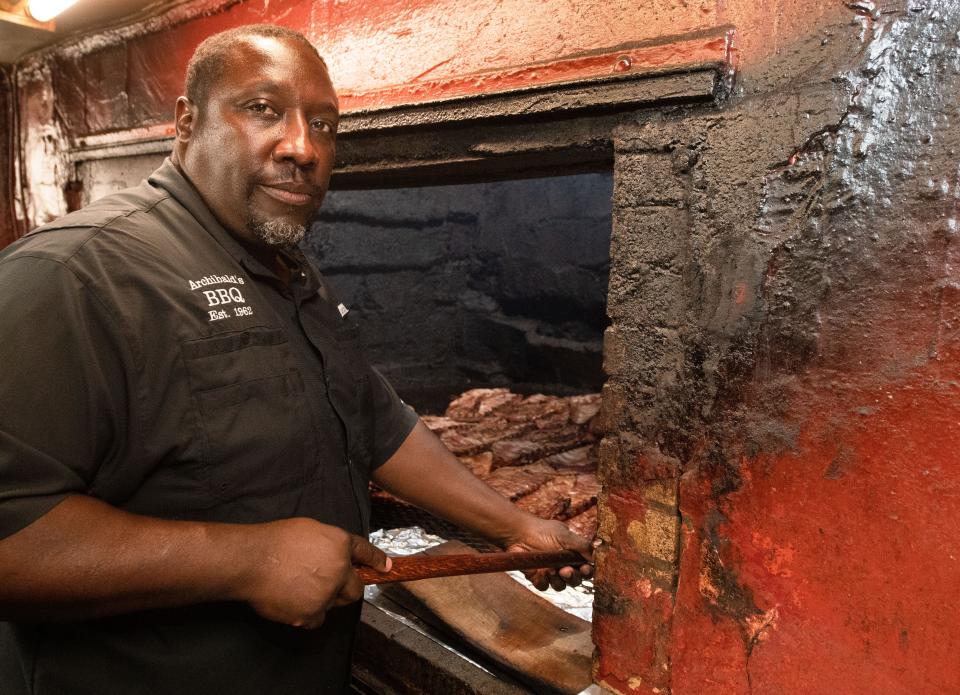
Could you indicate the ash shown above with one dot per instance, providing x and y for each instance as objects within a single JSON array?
[{"x": 576, "y": 600}]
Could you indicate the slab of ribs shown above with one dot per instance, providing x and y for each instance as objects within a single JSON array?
[{"x": 539, "y": 451}]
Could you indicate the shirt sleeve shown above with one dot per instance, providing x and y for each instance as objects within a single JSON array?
[
  {"x": 62, "y": 389},
  {"x": 394, "y": 419}
]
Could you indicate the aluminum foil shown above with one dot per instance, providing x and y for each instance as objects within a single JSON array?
[{"x": 576, "y": 600}]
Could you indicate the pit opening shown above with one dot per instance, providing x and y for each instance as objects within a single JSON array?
[
  {"x": 479, "y": 285},
  {"x": 488, "y": 284}
]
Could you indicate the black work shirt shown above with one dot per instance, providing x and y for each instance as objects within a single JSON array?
[{"x": 149, "y": 361}]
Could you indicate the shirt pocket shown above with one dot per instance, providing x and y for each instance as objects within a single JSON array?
[{"x": 258, "y": 438}]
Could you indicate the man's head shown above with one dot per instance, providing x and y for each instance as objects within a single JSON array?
[{"x": 256, "y": 131}]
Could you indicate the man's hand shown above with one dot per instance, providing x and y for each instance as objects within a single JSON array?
[
  {"x": 86, "y": 559},
  {"x": 301, "y": 568},
  {"x": 541, "y": 534},
  {"x": 458, "y": 496}
]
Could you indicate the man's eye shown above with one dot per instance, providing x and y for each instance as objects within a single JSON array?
[
  {"x": 322, "y": 126},
  {"x": 261, "y": 108}
]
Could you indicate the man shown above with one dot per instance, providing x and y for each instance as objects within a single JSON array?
[{"x": 187, "y": 427}]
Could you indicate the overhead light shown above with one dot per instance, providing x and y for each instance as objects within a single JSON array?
[{"x": 45, "y": 10}]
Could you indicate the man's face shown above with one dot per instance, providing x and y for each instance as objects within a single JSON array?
[{"x": 261, "y": 149}]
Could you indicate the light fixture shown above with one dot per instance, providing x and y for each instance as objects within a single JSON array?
[{"x": 45, "y": 10}]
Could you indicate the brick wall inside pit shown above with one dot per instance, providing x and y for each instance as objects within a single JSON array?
[{"x": 475, "y": 285}]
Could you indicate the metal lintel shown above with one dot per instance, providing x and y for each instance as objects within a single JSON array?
[{"x": 605, "y": 93}]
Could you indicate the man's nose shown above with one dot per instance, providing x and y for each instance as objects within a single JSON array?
[{"x": 295, "y": 142}]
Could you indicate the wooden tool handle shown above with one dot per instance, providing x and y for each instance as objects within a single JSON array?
[{"x": 414, "y": 567}]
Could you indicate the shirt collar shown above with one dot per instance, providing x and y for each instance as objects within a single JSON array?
[{"x": 169, "y": 178}]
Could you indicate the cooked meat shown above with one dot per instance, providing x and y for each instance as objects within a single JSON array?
[
  {"x": 461, "y": 443},
  {"x": 580, "y": 460},
  {"x": 584, "y": 494},
  {"x": 512, "y": 452},
  {"x": 516, "y": 481},
  {"x": 552, "y": 499},
  {"x": 538, "y": 444},
  {"x": 479, "y": 464},
  {"x": 584, "y": 408},
  {"x": 584, "y": 524},
  {"x": 493, "y": 429},
  {"x": 497, "y": 401},
  {"x": 562, "y": 497},
  {"x": 438, "y": 424},
  {"x": 539, "y": 450},
  {"x": 548, "y": 410},
  {"x": 474, "y": 404}
]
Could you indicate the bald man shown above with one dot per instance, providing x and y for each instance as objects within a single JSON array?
[{"x": 188, "y": 427}]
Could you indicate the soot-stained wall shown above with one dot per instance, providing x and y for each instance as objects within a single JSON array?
[
  {"x": 780, "y": 496},
  {"x": 482, "y": 284}
]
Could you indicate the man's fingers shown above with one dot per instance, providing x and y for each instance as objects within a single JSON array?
[
  {"x": 570, "y": 575},
  {"x": 351, "y": 591},
  {"x": 556, "y": 582},
  {"x": 312, "y": 622},
  {"x": 363, "y": 552},
  {"x": 578, "y": 543}
]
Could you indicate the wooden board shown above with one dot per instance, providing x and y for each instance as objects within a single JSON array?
[{"x": 527, "y": 635}]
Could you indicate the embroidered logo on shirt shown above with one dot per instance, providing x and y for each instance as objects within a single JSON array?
[
  {"x": 230, "y": 297},
  {"x": 216, "y": 280},
  {"x": 342, "y": 309}
]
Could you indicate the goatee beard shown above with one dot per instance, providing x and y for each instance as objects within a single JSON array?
[{"x": 276, "y": 232}]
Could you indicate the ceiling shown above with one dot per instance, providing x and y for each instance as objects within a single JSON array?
[{"x": 17, "y": 39}]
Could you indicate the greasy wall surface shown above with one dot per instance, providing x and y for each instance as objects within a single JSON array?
[
  {"x": 780, "y": 463},
  {"x": 782, "y": 490}
]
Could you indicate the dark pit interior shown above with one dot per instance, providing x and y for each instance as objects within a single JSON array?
[{"x": 475, "y": 285}]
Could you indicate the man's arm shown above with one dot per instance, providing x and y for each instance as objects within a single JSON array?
[
  {"x": 425, "y": 473},
  {"x": 85, "y": 558}
]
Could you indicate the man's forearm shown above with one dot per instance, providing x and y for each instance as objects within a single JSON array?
[
  {"x": 425, "y": 473},
  {"x": 85, "y": 558}
]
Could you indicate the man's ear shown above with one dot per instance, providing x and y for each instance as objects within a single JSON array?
[{"x": 185, "y": 118}]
